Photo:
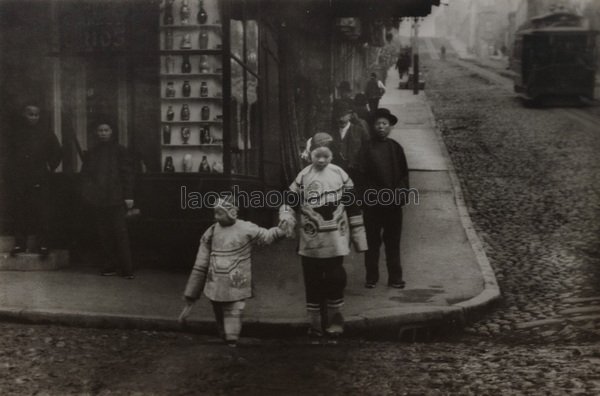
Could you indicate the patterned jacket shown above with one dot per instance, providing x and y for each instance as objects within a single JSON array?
[
  {"x": 223, "y": 266},
  {"x": 329, "y": 219}
]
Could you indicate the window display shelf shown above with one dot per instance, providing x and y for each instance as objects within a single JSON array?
[{"x": 201, "y": 57}]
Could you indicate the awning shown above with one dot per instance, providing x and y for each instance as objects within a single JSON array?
[{"x": 343, "y": 8}]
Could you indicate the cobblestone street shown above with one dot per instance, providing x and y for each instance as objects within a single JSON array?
[
  {"x": 530, "y": 177},
  {"x": 43, "y": 360}
]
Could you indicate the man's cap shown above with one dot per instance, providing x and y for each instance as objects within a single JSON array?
[{"x": 341, "y": 108}]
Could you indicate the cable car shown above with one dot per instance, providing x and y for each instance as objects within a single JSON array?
[{"x": 554, "y": 56}]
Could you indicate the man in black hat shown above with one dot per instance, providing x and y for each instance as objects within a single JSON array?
[
  {"x": 383, "y": 166},
  {"x": 348, "y": 138}
]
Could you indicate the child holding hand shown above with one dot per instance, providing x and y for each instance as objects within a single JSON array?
[
  {"x": 330, "y": 220},
  {"x": 223, "y": 267}
]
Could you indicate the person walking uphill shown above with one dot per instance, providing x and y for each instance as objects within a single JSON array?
[
  {"x": 384, "y": 167},
  {"x": 34, "y": 153},
  {"x": 107, "y": 188},
  {"x": 330, "y": 220}
]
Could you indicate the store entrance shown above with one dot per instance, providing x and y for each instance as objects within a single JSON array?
[
  {"x": 102, "y": 96},
  {"x": 95, "y": 90}
]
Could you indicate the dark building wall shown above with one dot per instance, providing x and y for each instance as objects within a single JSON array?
[{"x": 25, "y": 74}]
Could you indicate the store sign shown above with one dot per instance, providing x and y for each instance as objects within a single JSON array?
[{"x": 92, "y": 27}]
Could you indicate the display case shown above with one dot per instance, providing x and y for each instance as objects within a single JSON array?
[{"x": 191, "y": 87}]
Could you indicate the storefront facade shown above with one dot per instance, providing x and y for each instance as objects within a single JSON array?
[{"x": 207, "y": 95}]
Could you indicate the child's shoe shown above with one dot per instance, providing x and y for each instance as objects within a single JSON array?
[
  {"x": 231, "y": 343},
  {"x": 335, "y": 321}
]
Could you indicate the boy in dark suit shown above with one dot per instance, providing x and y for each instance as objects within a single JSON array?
[{"x": 383, "y": 167}]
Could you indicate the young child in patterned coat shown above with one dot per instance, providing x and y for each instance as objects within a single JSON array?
[
  {"x": 223, "y": 267},
  {"x": 330, "y": 221}
]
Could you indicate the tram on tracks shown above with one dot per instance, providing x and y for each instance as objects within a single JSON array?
[{"x": 554, "y": 57}]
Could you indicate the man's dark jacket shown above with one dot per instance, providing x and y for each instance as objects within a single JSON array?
[
  {"x": 383, "y": 166},
  {"x": 107, "y": 175},
  {"x": 34, "y": 153},
  {"x": 346, "y": 152}
]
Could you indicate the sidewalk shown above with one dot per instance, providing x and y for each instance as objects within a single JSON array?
[{"x": 445, "y": 269}]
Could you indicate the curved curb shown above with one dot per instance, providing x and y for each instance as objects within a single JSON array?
[{"x": 491, "y": 291}]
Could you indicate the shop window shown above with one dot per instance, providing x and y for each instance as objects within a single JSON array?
[{"x": 244, "y": 112}]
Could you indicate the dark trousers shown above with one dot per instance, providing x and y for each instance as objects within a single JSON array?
[
  {"x": 383, "y": 224},
  {"x": 111, "y": 227},
  {"x": 30, "y": 213},
  {"x": 373, "y": 104},
  {"x": 324, "y": 281}
]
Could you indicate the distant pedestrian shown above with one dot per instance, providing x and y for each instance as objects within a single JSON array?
[
  {"x": 34, "y": 153},
  {"x": 107, "y": 188},
  {"x": 403, "y": 64},
  {"x": 443, "y": 52},
  {"x": 361, "y": 109},
  {"x": 384, "y": 167},
  {"x": 330, "y": 220},
  {"x": 374, "y": 90},
  {"x": 223, "y": 269}
]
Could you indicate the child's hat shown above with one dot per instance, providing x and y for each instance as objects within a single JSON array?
[
  {"x": 320, "y": 139},
  {"x": 228, "y": 205}
]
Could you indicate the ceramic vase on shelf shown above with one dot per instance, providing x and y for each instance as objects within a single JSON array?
[
  {"x": 185, "y": 113},
  {"x": 166, "y": 133},
  {"x": 169, "y": 167},
  {"x": 203, "y": 89},
  {"x": 169, "y": 39},
  {"x": 170, "y": 114},
  {"x": 185, "y": 135},
  {"x": 202, "y": 16},
  {"x": 204, "y": 68},
  {"x": 203, "y": 40},
  {"x": 205, "y": 113},
  {"x": 204, "y": 167},
  {"x": 205, "y": 137},
  {"x": 187, "y": 163},
  {"x": 217, "y": 167},
  {"x": 184, "y": 12},
  {"x": 186, "y": 66},
  {"x": 170, "y": 90},
  {"x": 169, "y": 64},
  {"x": 186, "y": 89},
  {"x": 186, "y": 41}
]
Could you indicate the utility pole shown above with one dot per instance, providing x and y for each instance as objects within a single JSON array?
[{"x": 415, "y": 55}]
